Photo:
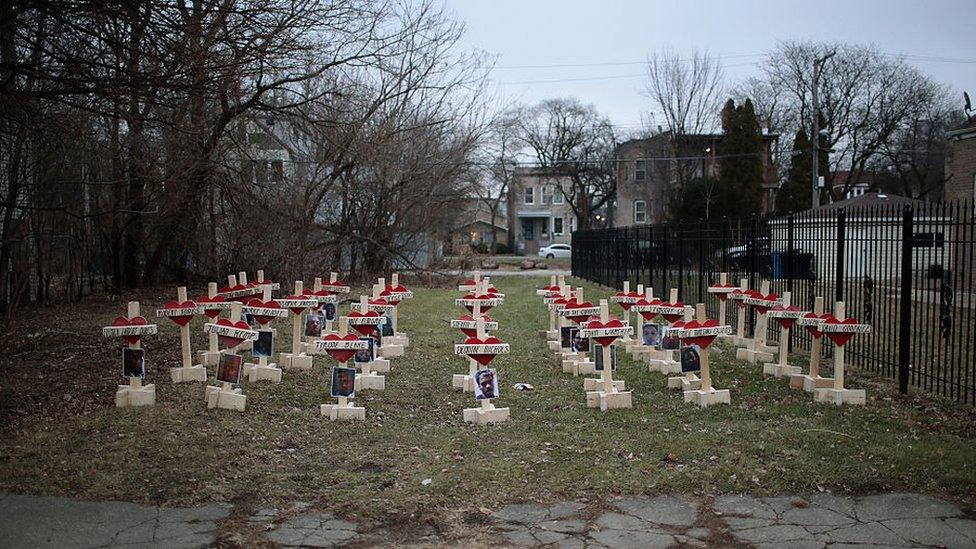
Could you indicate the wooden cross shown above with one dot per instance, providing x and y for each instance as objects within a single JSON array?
[
  {"x": 296, "y": 322},
  {"x": 840, "y": 313},
  {"x": 706, "y": 376},
  {"x": 235, "y": 317},
  {"x": 817, "y": 344},
  {"x": 343, "y": 332},
  {"x": 212, "y": 337},
  {"x": 184, "y": 331},
  {"x": 690, "y": 312},
  {"x": 486, "y": 403},
  {"x": 759, "y": 334},
  {"x": 132, "y": 311},
  {"x": 607, "y": 374},
  {"x": 740, "y": 323}
]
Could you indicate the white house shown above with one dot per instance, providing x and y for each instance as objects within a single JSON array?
[{"x": 872, "y": 237}]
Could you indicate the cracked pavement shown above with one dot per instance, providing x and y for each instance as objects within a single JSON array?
[
  {"x": 815, "y": 521},
  {"x": 45, "y": 521}
]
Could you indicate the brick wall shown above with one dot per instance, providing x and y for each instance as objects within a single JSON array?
[{"x": 962, "y": 166}]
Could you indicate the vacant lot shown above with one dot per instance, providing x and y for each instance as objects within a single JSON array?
[{"x": 62, "y": 435}]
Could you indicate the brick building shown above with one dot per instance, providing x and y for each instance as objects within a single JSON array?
[
  {"x": 961, "y": 163},
  {"x": 649, "y": 172}
]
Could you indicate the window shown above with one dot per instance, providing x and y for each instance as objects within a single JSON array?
[
  {"x": 572, "y": 224},
  {"x": 557, "y": 226},
  {"x": 546, "y": 194},
  {"x": 529, "y": 197},
  {"x": 557, "y": 195},
  {"x": 639, "y": 172},
  {"x": 640, "y": 211},
  {"x": 528, "y": 230},
  {"x": 928, "y": 240}
]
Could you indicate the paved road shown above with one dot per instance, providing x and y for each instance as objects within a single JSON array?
[{"x": 817, "y": 521}]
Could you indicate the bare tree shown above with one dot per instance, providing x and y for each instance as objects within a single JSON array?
[
  {"x": 866, "y": 98},
  {"x": 127, "y": 127},
  {"x": 573, "y": 140},
  {"x": 915, "y": 156},
  {"x": 687, "y": 93},
  {"x": 499, "y": 157}
]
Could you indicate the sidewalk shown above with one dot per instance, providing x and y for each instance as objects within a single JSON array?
[{"x": 817, "y": 521}]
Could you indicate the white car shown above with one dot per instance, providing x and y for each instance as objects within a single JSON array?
[{"x": 556, "y": 250}]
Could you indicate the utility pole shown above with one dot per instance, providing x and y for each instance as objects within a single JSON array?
[{"x": 817, "y": 63}]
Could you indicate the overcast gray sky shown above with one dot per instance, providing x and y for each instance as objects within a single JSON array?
[{"x": 530, "y": 36}]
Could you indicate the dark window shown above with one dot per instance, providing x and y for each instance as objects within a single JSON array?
[{"x": 639, "y": 172}]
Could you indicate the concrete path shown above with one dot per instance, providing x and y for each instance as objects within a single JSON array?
[
  {"x": 36, "y": 521},
  {"x": 818, "y": 521}
]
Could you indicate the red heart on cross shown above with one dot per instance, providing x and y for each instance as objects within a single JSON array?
[
  {"x": 722, "y": 296},
  {"x": 786, "y": 323},
  {"x": 484, "y": 306},
  {"x": 231, "y": 341},
  {"x": 134, "y": 321},
  {"x": 771, "y": 297},
  {"x": 182, "y": 320},
  {"x": 322, "y": 293},
  {"x": 385, "y": 293},
  {"x": 342, "y": 355},
  {"x": 297, "y": 310},
  {"x": 212, "y": 313},
  {"x": 624, "y": 306},
  {"x": 612, "y": 323},
  {"x": 840, "y": 338},
  {"x": 364, "y": 329},
  {"x": 701, "y": 341},
  {"x": 262, "y": 319},
  {"x": 648, "y": 315},
  {"x": 472, "y": 332},
  {"x": 813, "y": 329},
  {"x": 673, "y": 317},
  {"x": 483, "y": 359},
  {"x": 739, "y": 294},
  {"x": 237, "y": 288},
  {"x": 578, "y": 305}
]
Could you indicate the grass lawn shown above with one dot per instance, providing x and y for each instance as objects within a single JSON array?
[{"x": 61, "y": 433}]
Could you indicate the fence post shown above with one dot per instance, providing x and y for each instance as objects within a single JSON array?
[
  {"x": 681, "y": 262},
  {"x": 726, "y": 230},
  {"x": 841, "y": 261},
  {"x": 905, "y": 313},
  {"x": 790, "y": 254},
  {"x": 701, "y": 261},
  {"x": 664, "y": 259},
  {"x": 790, "y": 265},
  {"x": 751, "y": 249}
]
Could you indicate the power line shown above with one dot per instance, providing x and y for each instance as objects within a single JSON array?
[
  {"x": 614, "y": 63},
  {"x": 595, "y": 78},
  {"x": 909, "y": 56}
]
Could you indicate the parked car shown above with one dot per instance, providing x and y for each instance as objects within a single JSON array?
[{"x": 556, "y": 250}]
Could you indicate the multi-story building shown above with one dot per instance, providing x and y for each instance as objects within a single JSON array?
[
  {"x": 539, "y": 212},
  {"x": 650, "y": 171}
]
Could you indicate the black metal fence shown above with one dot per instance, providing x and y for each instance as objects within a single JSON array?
[{"x": 905, "y": 267}]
